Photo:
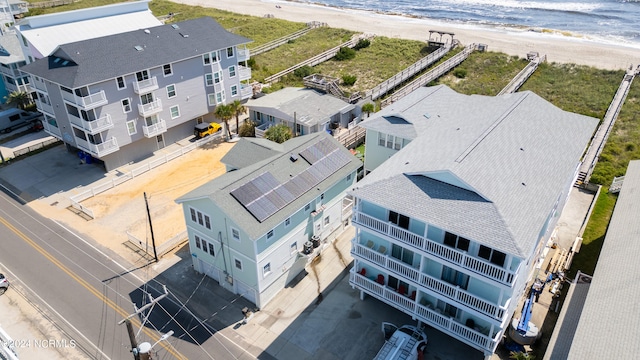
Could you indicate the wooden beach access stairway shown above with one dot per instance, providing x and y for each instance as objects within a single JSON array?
[
  {"x": 602, "y": 133},
  {"x": 524, "y": 74},
  {"x": 285, "y": 39},
  {"x": 431, "y": 75},
  {"x": 320, "y": 58}
]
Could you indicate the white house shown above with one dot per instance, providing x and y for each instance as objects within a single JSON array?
[
  {"x": 463, "y": 195},
  {"x": 256, "y": 227},
  {"x": 121, "y": 97}
]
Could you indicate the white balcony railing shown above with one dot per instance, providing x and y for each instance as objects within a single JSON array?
[
  {"x": 432, "y": 317},
  {"x": 88, "y": 102},
  {"x": 243, "y": 54},
  {"x": 447, "y": 253},
  {"x": 40, "y": 86},
  {"x": 154, "y": 129},
  {"x": 246, "y": 91},
  {"x": 151, "y": 108},
  {"x": 347, "y": 207},
  {"x": 427, "y": 282},
  {"x": 95, "y": 126},
  {"x": 45, "y": 108},
  {"x": 98, "y": 150},
  {"x": 244, "y": 72},
  {"x": 8, "y": 71},
  {"x": 145, "y": 86}
]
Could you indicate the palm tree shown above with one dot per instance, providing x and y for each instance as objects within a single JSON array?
[
  {"x": 224, "y": 113},
  {"x": 368, "y": 108},
  {"x": 19, "y": 98},
  {"x": 520, "y": 355},
  {"x": 238, "y": 109},
  {"x": 278, "y": 133}
]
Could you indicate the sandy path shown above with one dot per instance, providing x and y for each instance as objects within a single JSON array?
[{"x": 557, "y": 47}]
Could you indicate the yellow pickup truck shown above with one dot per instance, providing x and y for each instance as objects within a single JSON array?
[{"x": 205, "y": 129}]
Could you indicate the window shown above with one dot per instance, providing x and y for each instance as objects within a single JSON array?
[
  {"x": 307, "y": 207},
  {"x": 220, "y": 97},
  {"x": 235, "y": 233},
  {"x": 126, "y": 105},
  {"x": 211, "y": 250},
  {"x": 204, "y": 245},
  {"x": 234, "y": 90},
  {"x": 229, "y": 52},
  {"x": 200, "y": 218},
  {"x": 326, "y": 221},
  {"x": 121, "y": 83},
  {"x": 214, "y": 57},
  {"x": 142, "y": 75},
  {"x": 381, "y": 139},
  {"x": 238, "y": 264},
  {"x": 493, "y": 256},
  {"x": 146, "y": 98},
  {"x": 456, "y": 241},
  {"x": 287, "y": 222},
  {"x": 171, "y": 91},
  {"x": 322, "y": 196},
  {"x": 212, "y": 99},
  {"x": 232, "y": 71},
  {"x": 294, "y": 247},
  {"x": 402, "y": 254},
  {"x": 399, "y": 219},
  {"x": 197, "y": 241},
  {"x": 131, "y": 127},
  {"x": 208, "y": 78},
  {"x": 175, "y": 111},
  {"x": 270, "y": 234},
  {"x": 167, "y": 70},
  {"x": 455, "y": 277},
  {"x": 397, "y": 143},
  {"x": 206, "y": 59},
  {"x": 266, "y": 270},
  {"x": 349, "y": 178},
  {"x": 216, "y": 77}
]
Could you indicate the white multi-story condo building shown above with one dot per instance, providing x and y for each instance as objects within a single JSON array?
[
  {"x": 121, "y": 97},
  {"x": 463, "y": 195}
]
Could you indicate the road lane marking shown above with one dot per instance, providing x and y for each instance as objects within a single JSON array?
[{"x": 89, "y": 287}]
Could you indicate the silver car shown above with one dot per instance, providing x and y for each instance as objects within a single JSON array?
[{"x": 4, "y": 284}]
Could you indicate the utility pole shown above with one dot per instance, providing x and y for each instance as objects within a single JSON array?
[{"x": 153, "y": 240}]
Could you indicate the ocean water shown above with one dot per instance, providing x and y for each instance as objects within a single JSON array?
[{"x": 601, "y": 20}]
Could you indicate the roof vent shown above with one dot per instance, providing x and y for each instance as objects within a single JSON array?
[
  {"x": 175, "y": 26},
  {"x": 147, "y": 31},
  {"x": 293, "y": 157},
  {"x": 184, "y": 35},
  {"x": 139, "y": 48}
]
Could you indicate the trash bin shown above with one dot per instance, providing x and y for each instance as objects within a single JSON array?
[
  {"x": 315, "y": 240},
  {"x": 307, "y": 247}
]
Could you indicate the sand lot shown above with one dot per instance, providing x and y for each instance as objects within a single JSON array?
[{"x": 122, "y": 208}]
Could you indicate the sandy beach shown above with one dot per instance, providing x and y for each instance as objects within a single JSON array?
[{"x": 557, "y": 47}]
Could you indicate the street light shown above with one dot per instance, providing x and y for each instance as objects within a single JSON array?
[{"x": 144, "y": 349}]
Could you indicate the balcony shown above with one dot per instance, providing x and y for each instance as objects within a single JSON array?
[
  {"x": 246, "y": 91},
  {"x": 419, "y": 279},
  {"x": 39, "y": 85},
  {"x": 94, "y": 126},
  {"x": 347, "y": 207},
  {"x": 243, "y": 54},
  {"x": 151, "y": 108},
  {"x": 435, "y": 249},
  {"x": 425, "y": 314},
  {"x": 8, "y": 71},
  {"x": 45, "y": 108},
  {"x": 98, "y": 150},
  {"x": 88, "y": 102},
  {"x": 244, "y": 72},
  {"x": 145, "y": 86},
  {"x": 154, "y": 129}
]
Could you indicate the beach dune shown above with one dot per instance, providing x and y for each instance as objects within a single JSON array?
[{"x": 557, "y": 47}]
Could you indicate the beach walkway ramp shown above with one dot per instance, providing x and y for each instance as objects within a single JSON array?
[
  {"x": 406, "y": 74},
  {"x": 320, "y": 58},
  {"x": 602, "y": 133},
  {"x": 524, "y": 74},
  {"x": 431, "y": 75},
  {"x": 285, "y": 39}
]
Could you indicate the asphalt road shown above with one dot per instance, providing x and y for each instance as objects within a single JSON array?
[{"x": 86, "y": 291}]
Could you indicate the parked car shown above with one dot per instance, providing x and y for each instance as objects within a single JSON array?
[
  {"x": 4, "y": 284},
  {"x": 205, "y": 129}
]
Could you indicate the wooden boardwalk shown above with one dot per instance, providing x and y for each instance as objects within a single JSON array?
[
  {"x": 602, "y": 133},
  {"x": 524, "y": 74},
  {"x": 285, "y": 39}
]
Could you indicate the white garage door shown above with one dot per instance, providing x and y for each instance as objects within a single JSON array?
[
  {"x": 245, "y": 291},
  {"x": 210, "y": 270}
]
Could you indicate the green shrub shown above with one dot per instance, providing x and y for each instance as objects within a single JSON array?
[
  {"x": 303, "y": 71},
  {"x": 362, "y": 43},
  {"x": 248, "y": 129},
  {"x": 460, "y": 73},
  {"x": 345, "y": 53},
  {"x": 349, "y": 80}
]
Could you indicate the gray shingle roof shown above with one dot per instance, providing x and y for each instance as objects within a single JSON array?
[
  {"x": 517, "y": 151},
  {"x": 282, "y": 168},
  {"x": 609, "y": 326},
  {"x": 107, "y": 57},
  {"x": 260, "y": 149},
  {"x": 12, "y": 52}
]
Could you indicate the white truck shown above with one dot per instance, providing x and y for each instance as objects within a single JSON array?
[
  {"x": 12, "y": 119},
  {"x": 402, "y": 343}
]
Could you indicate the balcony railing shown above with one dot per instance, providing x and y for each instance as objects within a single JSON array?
[
  {"x": 95, "y": 126},
  {"x": 8, "y": 71},
  {"x": 246, "y": 91},
  {"x": 40, "y": 86},
  {"x": 244, "y": 72},
  {"x": 347, "y": 208},
  {"x": 436, "y": 249},
  {"x": 45, "y": 108},
  {"x": 154, "y": 129},
  {"x": 145, "y": 86},
  {"x": 427, "y": 282},
  {"x": 88, "y": 102},
  {"x": 98, "y": 150},
  {"x": 243, "y": 54},
  {"x": 151, "y": 108},
  {"x": 425, "y": 314}
]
